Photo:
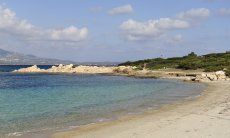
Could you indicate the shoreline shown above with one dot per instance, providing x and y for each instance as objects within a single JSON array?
[
  {"x": 168, "y": 115},
  {"x": 130, "y": 124}
]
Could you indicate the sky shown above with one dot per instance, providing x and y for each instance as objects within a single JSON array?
[{"x": 114, "y": 30}]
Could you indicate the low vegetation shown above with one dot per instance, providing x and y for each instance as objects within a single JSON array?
[
  {"x": 209, "y": 63},
  {"x": 227, "y": 71}
]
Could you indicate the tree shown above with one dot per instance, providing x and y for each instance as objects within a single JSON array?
[{"x": 192, "y": 54}]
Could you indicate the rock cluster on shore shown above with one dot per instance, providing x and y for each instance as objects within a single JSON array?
[
  {"x": 78, "y": 69},
  {"x": 198, "y": 76},
  {"x": 213, "y": 76}
]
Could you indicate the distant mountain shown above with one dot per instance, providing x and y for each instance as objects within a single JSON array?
[{"x": 13, "y": 58}]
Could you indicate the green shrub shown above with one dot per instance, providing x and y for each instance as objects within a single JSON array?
[
  {"x": 210, "y": 62},
  {"x": 188, "y": 65},
  {"x": 213, "y": 68},
  {"x": 227, "y": 72}
]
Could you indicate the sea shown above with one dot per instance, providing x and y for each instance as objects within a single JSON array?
[{"x": 33, "y": 105}]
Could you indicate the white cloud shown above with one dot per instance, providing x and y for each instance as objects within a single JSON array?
[
  {"x": 10, "y": 24},
  {"x": 224, "y": 12},
  {"x": 135, "y": 30},
  {"x": 121, "y": 10},
  {"x": 70, "y": 33},
  {"x": 194, "y": 14}
]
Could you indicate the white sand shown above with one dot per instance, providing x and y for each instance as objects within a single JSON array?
[{"x": 207, "y": 116}]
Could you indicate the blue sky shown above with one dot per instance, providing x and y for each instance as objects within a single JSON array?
[{"x": 109, "y": 30}]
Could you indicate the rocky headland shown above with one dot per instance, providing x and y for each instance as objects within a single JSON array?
[{"x": 196, "y": 76}]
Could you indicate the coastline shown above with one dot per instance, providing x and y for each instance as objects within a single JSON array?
[
  {"x": 190, "y": 118},
  {"x": 131, "y": 71},
  {"x": 205, "y": 116}
]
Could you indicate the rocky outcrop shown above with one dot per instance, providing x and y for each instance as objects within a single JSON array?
[
  {"x": 78, "y": 69},
  {"x": 61, "y": 69},
  {"x": 212, "y": 76},
  {"x": 93, "y": 69},
  {"x": 196, "y": 76},
  {"x": 124, "y": 70},
  {"x": 221, "y": 75},
  {"x": 30, "y": 69}
]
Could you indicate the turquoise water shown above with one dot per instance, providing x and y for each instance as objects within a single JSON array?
[{"x": 34, "y": 102}]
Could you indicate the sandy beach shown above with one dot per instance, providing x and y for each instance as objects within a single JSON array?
[{"x": 206, "y": 116}]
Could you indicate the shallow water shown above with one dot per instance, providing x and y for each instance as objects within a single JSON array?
[{"x": 35, "y": 102}]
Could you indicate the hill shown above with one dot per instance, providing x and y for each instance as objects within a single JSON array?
[
  {"x": 13, "y": 58},
  {"x": 210, "y": 62}
]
